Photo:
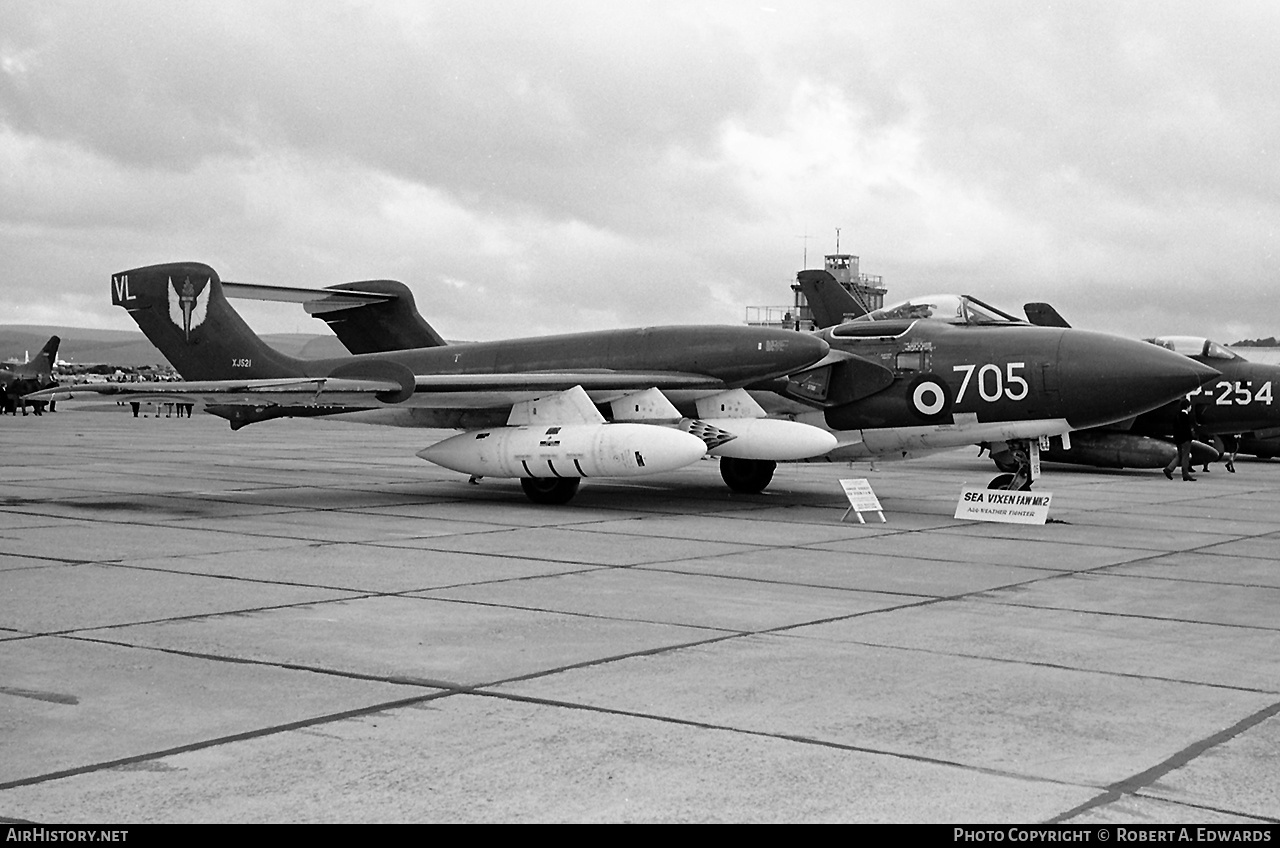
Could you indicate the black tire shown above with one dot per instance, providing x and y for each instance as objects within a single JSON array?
[
  {"x": 550, "y": 490},
  {"x": 1003, "y": 481},
  {"x": 750, "y": 476}
]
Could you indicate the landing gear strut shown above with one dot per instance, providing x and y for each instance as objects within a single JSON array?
[
  {"x": 550, "y": 490},
  {"x": 1005, "y": 462},
  {"x": 747, "y": 475},
  {"x": 1019, "y": 457}
]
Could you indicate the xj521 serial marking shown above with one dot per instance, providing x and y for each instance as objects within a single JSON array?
[{"x": 531, "y": 408}]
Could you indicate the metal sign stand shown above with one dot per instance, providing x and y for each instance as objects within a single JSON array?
[{"x": 861, "y": 499}]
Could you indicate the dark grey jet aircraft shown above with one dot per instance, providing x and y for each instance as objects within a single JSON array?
[
  {"x": 27, "y": 377},
  {"x": 550, "y": 411},
  {"x": 928, "y": 375},
  {"x": 1241, "y": 400}
]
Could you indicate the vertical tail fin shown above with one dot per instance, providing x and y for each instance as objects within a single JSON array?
[
  {"x": 828, "y": 301},
  {"x": 41, "y": 365},
  {"x": 182, "y": 310}
]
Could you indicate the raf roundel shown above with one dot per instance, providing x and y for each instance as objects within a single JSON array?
[{"x": 929, "y": 397}]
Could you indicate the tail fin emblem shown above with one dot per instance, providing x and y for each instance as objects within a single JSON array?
[{"x": 187, "y": 309}]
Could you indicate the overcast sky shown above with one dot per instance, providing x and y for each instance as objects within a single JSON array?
[{"x": 545, "y": 166}]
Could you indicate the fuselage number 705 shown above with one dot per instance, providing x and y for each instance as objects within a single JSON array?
[{"x": 992, "y": 382}]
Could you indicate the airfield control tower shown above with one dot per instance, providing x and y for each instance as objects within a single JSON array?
[{"x": 867, "y": 289}]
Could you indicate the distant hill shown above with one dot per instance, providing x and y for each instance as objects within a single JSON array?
[
  {"x": 132, "y": 349},
  {"x": 1269, "y": 341}
]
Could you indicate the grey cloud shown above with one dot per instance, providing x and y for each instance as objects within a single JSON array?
[
  {"x": 1150, "y": 100},
  {"x": 572, "y": 113},
  {"x": 559, "y": 154}
]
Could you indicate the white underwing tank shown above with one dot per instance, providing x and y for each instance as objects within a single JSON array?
[{"x": 571, "y": 450}]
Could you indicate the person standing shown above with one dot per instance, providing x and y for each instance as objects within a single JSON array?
[
  {"x": 1201, "y": 434},
  {"x": 1183, "y": 432},
  {"x": 1231, "y": 445}
]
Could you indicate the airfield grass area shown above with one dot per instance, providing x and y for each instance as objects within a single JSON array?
[{"x": 303, "y": 622}]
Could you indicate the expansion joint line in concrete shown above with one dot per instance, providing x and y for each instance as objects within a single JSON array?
[
  {"x": 763, "y": 734},
  {"x": 224, "y": 740},
  {"x": 1134, "y": 785}
]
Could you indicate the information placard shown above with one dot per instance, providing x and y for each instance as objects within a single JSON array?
[
  {"x": 861, "y": 499},
  {"x": 1002, "y": 505}
]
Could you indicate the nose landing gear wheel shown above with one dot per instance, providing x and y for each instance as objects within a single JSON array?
[
  {"x": 550, "y": 490},
  {"x": 747, "y": 475},
  {"x": 1007, "y": 482},
  {"x": 1020, "y": 480}
]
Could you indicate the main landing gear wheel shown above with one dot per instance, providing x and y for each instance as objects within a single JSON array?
[
  {"x": 747, "y": 475},
  {"x": 550, "y": 490}
]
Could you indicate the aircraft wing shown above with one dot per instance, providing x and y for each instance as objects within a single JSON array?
[
  {"x": 295, "y": 391},
  {"x": 465, "y": 391},
  {"x": 561, "y": 380}
]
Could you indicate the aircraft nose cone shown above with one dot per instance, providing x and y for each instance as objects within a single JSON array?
[{"x": 1109, "y": 378}]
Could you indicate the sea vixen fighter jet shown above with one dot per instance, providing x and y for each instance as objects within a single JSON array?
[
  {"x": 1241, "y": 400},
  {"x": 896, "y": 386},
  {"x": 530, "y": 408},
  {"x": 954, "y": 371}
]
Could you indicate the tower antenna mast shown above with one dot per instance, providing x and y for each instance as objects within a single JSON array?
[{"x": 806, "y": 238}]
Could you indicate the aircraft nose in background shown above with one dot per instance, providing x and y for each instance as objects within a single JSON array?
[{"x": 1107, "y": 378}]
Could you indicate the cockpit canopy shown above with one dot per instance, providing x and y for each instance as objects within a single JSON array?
[
  {"x": 1195, "y": 346},
  {"x": 951, "y": 308}
]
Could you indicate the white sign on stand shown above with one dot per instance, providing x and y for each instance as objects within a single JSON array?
[
  {"x": 1003, "y": 505},
  {"x": 861, "y": 499}
]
